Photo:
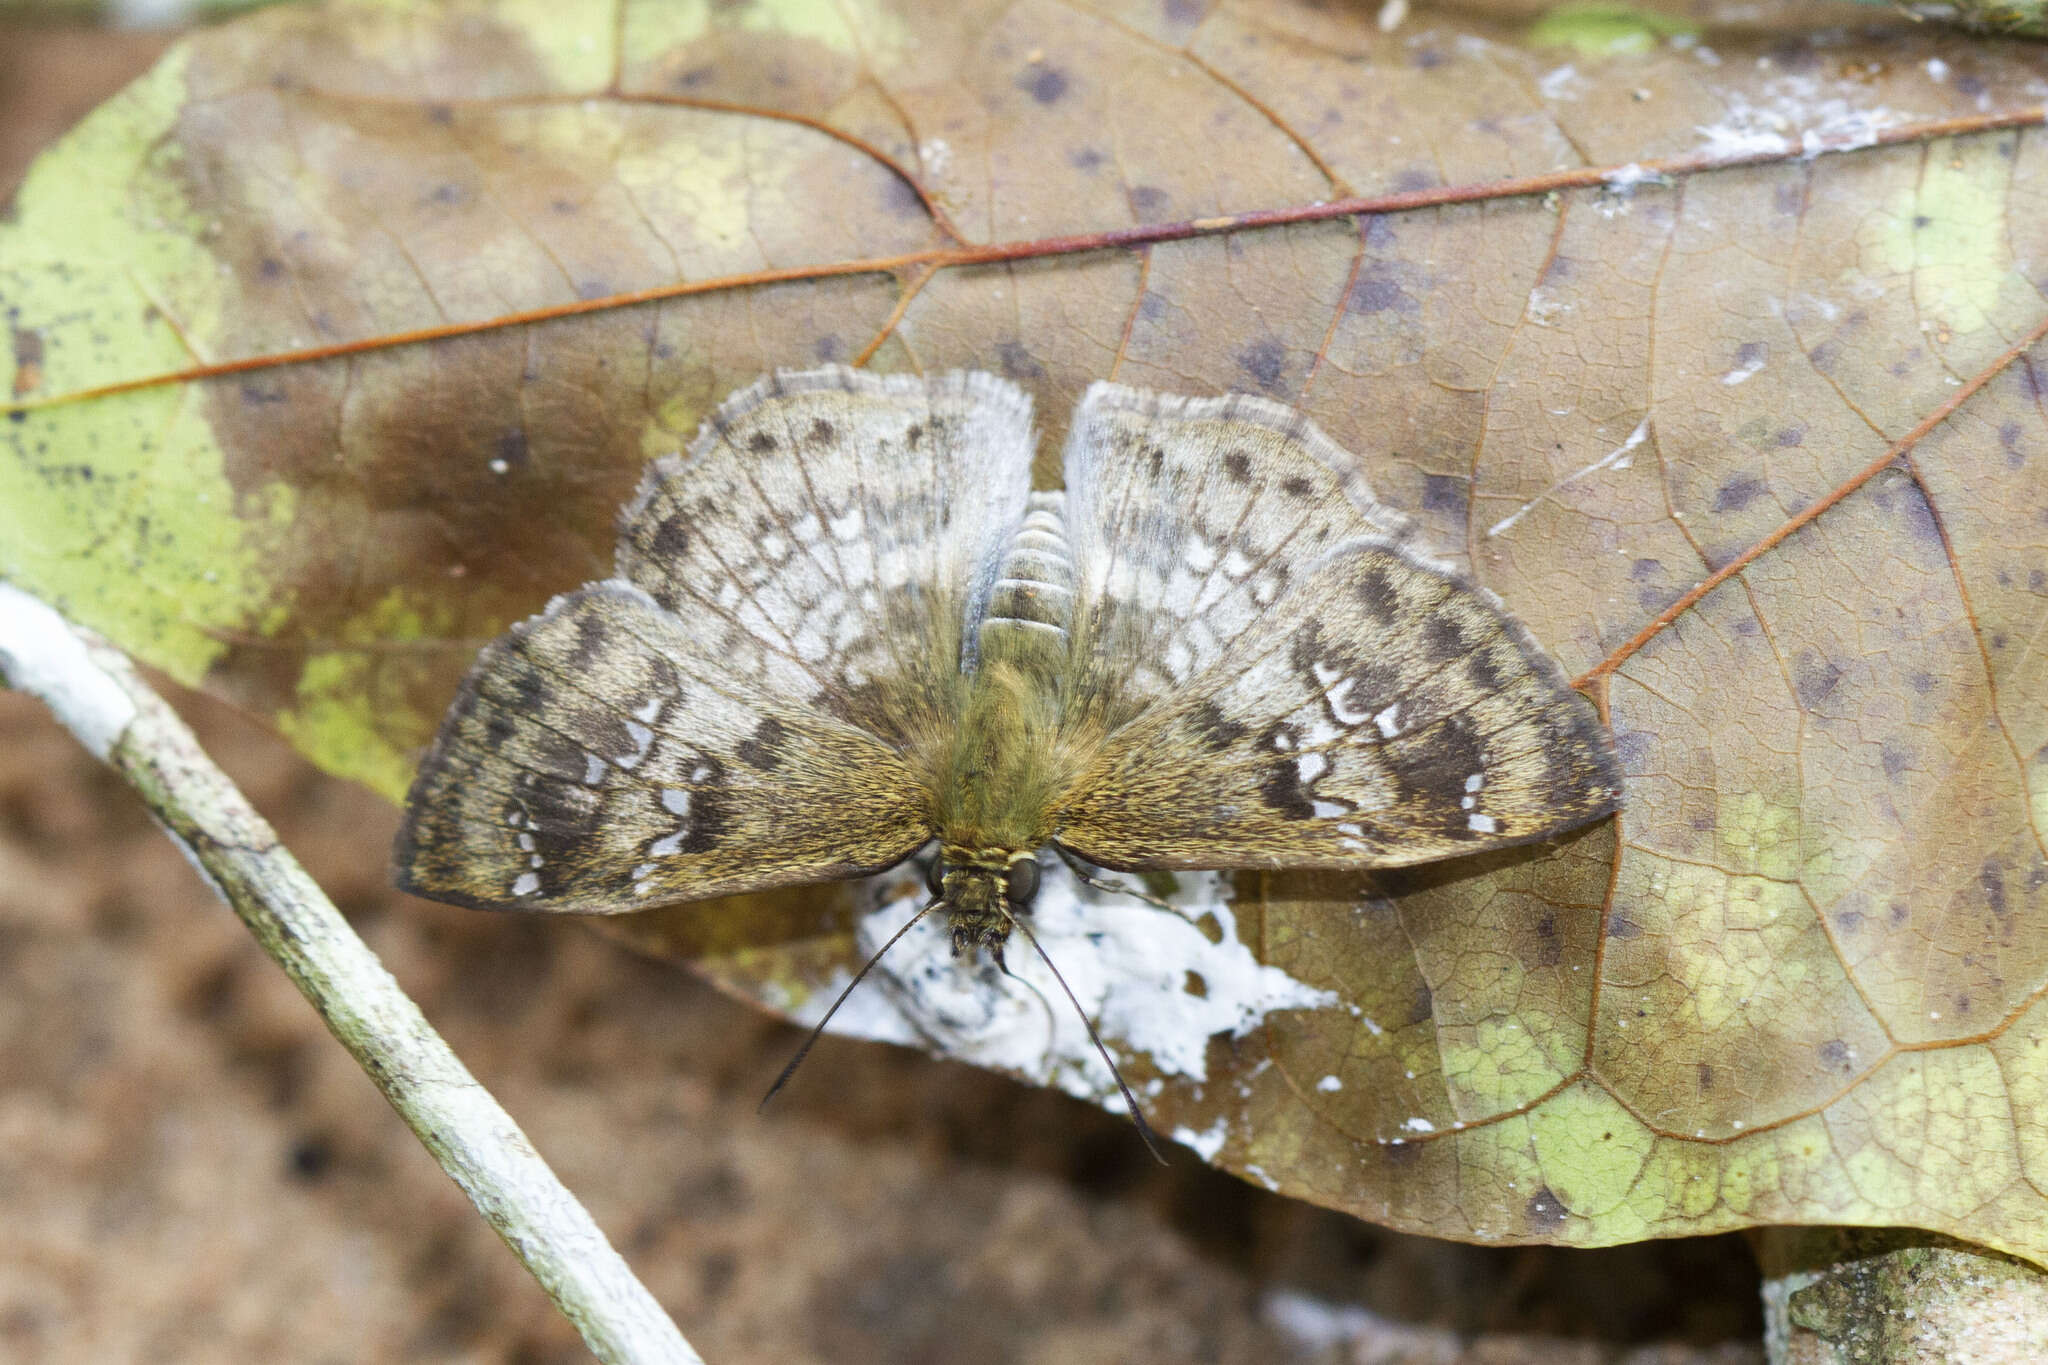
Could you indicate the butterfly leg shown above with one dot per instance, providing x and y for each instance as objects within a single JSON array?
[{"x": 1080, "y": 871}]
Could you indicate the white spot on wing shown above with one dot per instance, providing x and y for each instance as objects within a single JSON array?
[
  {"x": 1343, "y": 707},
  {"x": 526, "y": 884},
  {"x": 1389, "y": 721},
  {"x": 1482, "y": 824}
]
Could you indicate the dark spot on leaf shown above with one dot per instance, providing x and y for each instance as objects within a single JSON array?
[
  {"x": 1422, "y": 1006},
  {"x": 1918, "y": 514},
  {"x": 1264, "y": 360},
  {"x": 1992, "y": 878},
  {"x": 1738, "y": 493},
  {"x": 1043, "y": 82},
  {"x": 1214, "y": 728},
  {"x": 1822, "y": 357},
  {"x": 828, "y": 347},
  {"x": 763, "y": 749},
  {"x": 1428, "y": 59},
  {"x": 1018, "y": 362},
  {"x": 1377, "y": 290},
  {"x": 1446, "y": 493},
  {"x": 1150, "y": 204},
  {"x": 1634, "y": 748},
  {"x": 1922, "y": 221},
  {"x": 1704, "y": 1074},
  {"x": 1921, "y": 681},
  {"x": 1084, "y": 159},
  {"x": 1895, "y": 757},
  {"x": 440, "y": 115},
  {"x": 1544, "y": 1211},
  {"x": 2037, "y": 580},
  {"x": 1621, "y": 926},
  {"x": 1849, "y": 921},
  {"x": 1899, "y": 912},
  {"x": 1645, "y": 568},
  {"x": 1834, "y": 1053},
  {"x": 1791, "y": 436},
  {"x": 1413, "y": 179},
  {"x": 1814, "y": 677}
]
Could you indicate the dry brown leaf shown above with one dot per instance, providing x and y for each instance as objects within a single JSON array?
[{"x": 1716, "y": 353}]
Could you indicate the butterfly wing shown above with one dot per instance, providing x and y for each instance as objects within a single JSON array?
[
  {"x": 1267, "y": 673},
  {"x": 755, "y": 699}
]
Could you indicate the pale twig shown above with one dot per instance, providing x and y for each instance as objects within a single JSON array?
[{"x": 99, "y": 697}]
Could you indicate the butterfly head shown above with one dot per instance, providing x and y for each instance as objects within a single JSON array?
[{"x": 982, "y": 891}]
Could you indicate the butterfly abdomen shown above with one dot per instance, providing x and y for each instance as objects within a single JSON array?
[{"x": 1031, "y": 612}]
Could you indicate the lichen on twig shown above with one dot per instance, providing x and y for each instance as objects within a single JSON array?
[{"x": 100, "y": 698}]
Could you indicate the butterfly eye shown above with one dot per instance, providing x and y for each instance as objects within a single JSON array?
[
  {"x": 1022, "y": 883},
  {"x": 935, "y": 877}
]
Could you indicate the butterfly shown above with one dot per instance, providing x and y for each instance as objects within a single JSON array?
[{"x": 842, "y": 626}]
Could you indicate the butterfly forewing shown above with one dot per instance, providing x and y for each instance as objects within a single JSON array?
[
  {"x": 1338, "y": 700},
  {"x": 756, "y": 701}
]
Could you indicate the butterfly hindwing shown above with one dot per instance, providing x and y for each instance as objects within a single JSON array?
[
  {"x": 1189, "y": 519},
  {"x": 833, "y": 536},
  {"x": 756, "y": 699},
  {"x": 1357, "y": 706}
]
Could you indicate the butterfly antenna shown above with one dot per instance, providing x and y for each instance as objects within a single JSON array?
[
  {"x": 1137, "y": 1115},
  {"x": 858, "y": 977}
]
